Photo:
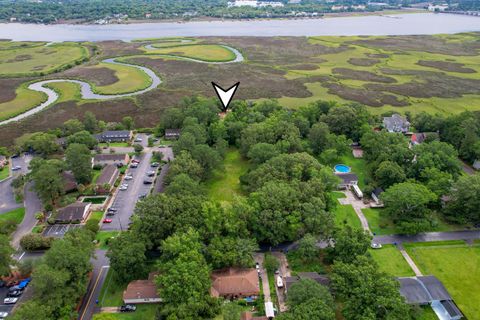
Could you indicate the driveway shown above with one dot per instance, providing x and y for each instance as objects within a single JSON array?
[
  {"x": 357, "y": 205},
  {"x": 259, "y": 257},
  {"x": 89, "y": 306},
  {"x": 125, "y": 201},
  {"x": 284, "y": 272}
]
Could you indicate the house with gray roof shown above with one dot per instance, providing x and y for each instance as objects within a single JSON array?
[
  {"x": 424, "y": 290},
  {"x": 346, "y": 180},
  {"x": 114, "y": 136},
  {"x": 396, "y": 123}
]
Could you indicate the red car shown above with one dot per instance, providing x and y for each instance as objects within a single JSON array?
[
  {"x": 107, "y": 220},
  {"x": 135, "y": 161}
]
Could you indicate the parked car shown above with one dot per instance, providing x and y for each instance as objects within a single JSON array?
[
  {"x": 16, "y": 168},
  {"x": 128, "y": 177},
  {"x": 3, "y": 315},
  {"x": 14, "y": 288},
  {"x": 279, "y": 282},
  {"x": 150, "y": 173},
  {"x": 135, "y": 161},
  {"x": 376, "y": 246},
  {"x": 107, "y": 220},
  {"x": 10, "y": 300},
  {"x": 148, "y": 181},
  {"x": 15, "y": 293},
  {"x": 134, "y": 165},
  {"x": 128, "y": 308},
  {"x": 119, "y": 165},
  {"x": 142, "y": 196},
  {"x": 112, "y": 209},
  {"x": 138, "y": 139},
  {"x": 155, "y": 164},
  {"x": 123, "y": 187}
]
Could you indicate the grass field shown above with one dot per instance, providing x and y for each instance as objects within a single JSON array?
[
  {"x": 380, "y": 223},
  {"x": 457, "y": 267},
  {"x": 28, "y": 61},
  {"x": 391, "y": 261},
  {"x": 102, "y": 237},
  {"x": 25, "y": 100},
  {"x": 130, "y": 79},
  {"x": 7, "y": 45},
  {"x": 113, "y": 144},
  {"x": 67, "y": 91},
  {"x": 96, "y": 215},
  {"x": 15, "y": 215},
  {"x": 344, "y": 214},
  {"x": 225, "y": 185},
  {"x": 204, "y": 52},
  {"x": 5, "y": 172},
  {"x": 143, "y": 312}
]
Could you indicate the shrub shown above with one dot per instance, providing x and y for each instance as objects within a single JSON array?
[
  {"x": 31, "y": 242},
  {"x": 270, "y": 263},
  {"x": 92, "y": 225}
]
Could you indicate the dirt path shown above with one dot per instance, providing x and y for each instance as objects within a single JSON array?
[{"x": 357, "y": 205}]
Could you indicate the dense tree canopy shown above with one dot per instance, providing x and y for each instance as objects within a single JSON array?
[{"x": 464, "y": 205}]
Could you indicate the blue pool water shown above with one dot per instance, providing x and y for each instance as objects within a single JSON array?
[{"x": 341, "y": 168}]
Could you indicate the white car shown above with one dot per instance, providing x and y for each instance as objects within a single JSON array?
[
  {"x": 10, "y": 300},
  {"x": 376, "y": 246},
  {"x": 128, "y": 177},
  {"x": 138, "y": 140},
  {"x": 123, "y": 187},
  {"x": 3, "y": 315},
  {"x": 16, "y": 168}
]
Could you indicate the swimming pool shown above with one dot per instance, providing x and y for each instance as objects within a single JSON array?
[{"x": 341, "y": 168}]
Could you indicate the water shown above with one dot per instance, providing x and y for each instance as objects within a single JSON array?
[
  {"x": 405, "y": 24},
  {"x": 341, "y": 168}
]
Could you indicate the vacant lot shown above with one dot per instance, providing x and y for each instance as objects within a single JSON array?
[
  {"x": 225, "y": 185},
  {"x": 458, "y": 268},
  {"x": 391, "y": 261}
]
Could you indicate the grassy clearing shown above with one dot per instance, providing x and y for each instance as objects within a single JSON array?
[
  {"x": 143, "y": 312},
  {"x": 391, "y": 261},
  {"x": 130, "y": 79},
  {"x": 358, "y": 166},
  {"x": 15, "y": 215},
  {"x": 67, "y": 91},
  {"x": 380, "y": 223},
  {"x": 113, "y": 144},
  {"x": 5, "y": 172},
  {"x": 25, "y": 100},
  {"x": 225, "y": 185},
  {"x": 111, "y": 293},
  {"x": 427, "y": 313},
  {"x": 8, "y": 45},
  {"x": 204, "y": 52},
  {"x": 102, "y": 237},
  {"x": 344, "y": 214},
  {"x": 458, "y": 269},
  {"x": 96, "y": 215},
  {"x": 37, "y": 61},
  {"x": 297, "y": 264}
]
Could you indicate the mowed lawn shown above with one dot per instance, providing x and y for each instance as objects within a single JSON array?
[
  {"x": 225, "y": 185},
  {"x": 344, "y": 214},
  {"x": 458, "y": 267},
  {"x": 205, "y": 52},
  {"x": 4, "y": 172},
  {"x": 143, "y": 312},
  {"x": 14, "y": 215},
  {"x": 391, "y": 261}
]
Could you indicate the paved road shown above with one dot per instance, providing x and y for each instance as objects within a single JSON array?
[
  {"x": 32, "y": 205},
  {"x": 259, "y": 257},
  {"x": 429, "y": 236},
  {"x": 7, "y": 197},
  {"x": 100, "y": 269},
  {"x": 125, "y": 201}
]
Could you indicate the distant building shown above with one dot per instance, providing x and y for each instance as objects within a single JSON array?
[
  {"x": 118, "y": 159},
  {"x": 148, "y": 15},
  {"x": 114, "y": 136},
  {"x": 108, "y": 176},
  {"x": 358, "y": 7},
  {"x": 75, "y": 212},
  {"x": 172, "y": 133},
  {"x": 294, "y": 1},
  {"x": 254, "y": 4},
  {"x": 438, "y": 8},
  {"x": 235, "y": 283},
  {"x": 339, "y": 8},
  {"x": 424, "y": 290},
  {"x": 347, "y": 180},
  {"x": 396, "y": 123},
  {"x": 270, "y": 4},
  {"x": 142, "y": 291}
]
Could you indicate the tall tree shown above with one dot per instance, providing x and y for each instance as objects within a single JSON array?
[
  {"x": 351, "y": 242},
  {"x": 464, "y": 206},
  {"x": 6, "y": 252},
  {"x": 127, "y": 257},
  {"x": 48, "y": 181},
  {"x": 128, "y": 122},
  {"x": 79, "y": 161},
  {"x": 90, "y": 122}
]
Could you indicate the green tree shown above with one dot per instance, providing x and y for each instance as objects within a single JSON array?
[
  {"x": 312, "y": 309},
  {"x": 184, "y": 163},
  {"x": 42, "y": 143},
  {"x": 351, "y": 242},
  {"x": 128, "y": 122},
  {"x": 48, "y": 182},
  {"x": 270, "y": 263},
  {"x": 72, "y": 126},
  {"x": 437, "y": 181},
  {"x": 6, "y": 252},
  {"x": 182, "y": 184},
  {"x": 208, "y": 158},
  {"x": 319, "y": 137},
  {"x": 261, "y": 152},
  {"x": 127, "y": 257},
  {"x": 138, "y": 148},
  {"x": 231, "y": 252},
  {"x": 465, "y": 200},
  {"x": 32, "y": 310},
  {"x": 306, "y": 289},
  {"x": 366, "y": 292},
  {"x": 83, "y": 137},
  {"x": 90, "y": 122},
  {"x": 407, "y": 204},
  {"x": 347, "y": 120},
  {"x": 79, "y": 161},
  {"x": 389, "y": 173},
  {"x": 307, "y": 247}
]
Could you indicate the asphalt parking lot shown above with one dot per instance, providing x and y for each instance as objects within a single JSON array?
[
  {"x": 59, "y": 230},
  {"x": 3, "y": 295},
  {"x": 125, "y": 201}
]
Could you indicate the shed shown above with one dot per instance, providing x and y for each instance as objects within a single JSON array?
[{"x": 114, "y": 136}]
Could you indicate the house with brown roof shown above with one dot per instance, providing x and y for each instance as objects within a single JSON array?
[
  {"x": 235, "y": 283},
  {"x": 112, "y": 158},
  {"x": 142, "y": 291},
  {"x": 108, "y": 176},
  {"x": 75, "y": 212},
  {"x": 69, "y": 182}
]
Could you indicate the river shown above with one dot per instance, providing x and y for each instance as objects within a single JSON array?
[{"x": 404, "y": 24}]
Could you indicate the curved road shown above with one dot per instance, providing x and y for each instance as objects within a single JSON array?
[{"x": 86, "y": 89}]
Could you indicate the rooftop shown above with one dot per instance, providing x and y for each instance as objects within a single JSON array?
[
  {"x": 235, "y": 281},
  {"x": 107, "y": 174},
  {"x": 110, "y": 157},
  {"x": 347, "y": 177},
  {"x": 423, "y": 289},
  {"x": 141, "y": 289},
  {"x": 74, "y": 211}
]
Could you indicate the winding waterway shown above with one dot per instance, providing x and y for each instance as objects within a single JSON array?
[
  {"x": 403, "y": 24},
  {"x": 86, "y": 89}
]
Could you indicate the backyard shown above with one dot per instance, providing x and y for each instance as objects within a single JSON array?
[
  {"x": 344, "y": 214},
  {"x": 391, "y": 261},
  {"x": 457, "y": 266}
]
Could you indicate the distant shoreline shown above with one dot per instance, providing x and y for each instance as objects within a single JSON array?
[{"x": 214, "y": 19}]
